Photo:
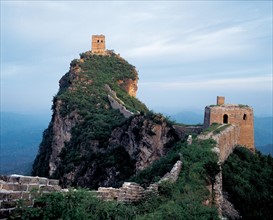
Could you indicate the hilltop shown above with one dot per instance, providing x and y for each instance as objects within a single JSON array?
[{"x": 100, "y": 134}]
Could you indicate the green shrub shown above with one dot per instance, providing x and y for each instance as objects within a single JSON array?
[{"x": 248, "y": 179}]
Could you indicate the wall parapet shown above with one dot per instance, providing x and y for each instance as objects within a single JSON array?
[
  {"x": 14, "y": 188},
  {"x": 133, "y": 192},
  {"x": 26, "y": 189},
  {"x": 227, "y": 138}
]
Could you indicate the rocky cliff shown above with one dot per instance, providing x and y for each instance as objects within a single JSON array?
[
  {"x": 146, "y": 139},
  {"x": 100, "y": 134}
]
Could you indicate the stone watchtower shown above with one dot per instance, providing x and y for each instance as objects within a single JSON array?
[
  {"x": 240, "y": 115},
  {"x": 98, "y": 44}
]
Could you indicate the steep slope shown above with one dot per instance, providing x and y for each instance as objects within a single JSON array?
[
  {"x": 96, "y": 101},
  {"x": 247, "y": 180}
]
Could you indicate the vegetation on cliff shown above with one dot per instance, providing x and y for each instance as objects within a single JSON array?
[
  {"x": 75, "y": 147},
  {"x": 181, "y": 200},
  {"x": 248, "y": 179},
  {"x": 82, "y": 92},
  {"x": 89, "y": 143}
]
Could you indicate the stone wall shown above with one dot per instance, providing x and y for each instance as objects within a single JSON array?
[
  {"x": 25, "y": 189},
  {"x": 184, "y": 131},
  {"x": 17, "y": 189},
  {"x": 117, "y": 103},
  {"x": 129, "y": 192},
  {"x": 98, "y": 44},
  {"x": 226, "y": 141},
  {"x": 239, "y": 115},
  {"x": 133, "y": 192}
]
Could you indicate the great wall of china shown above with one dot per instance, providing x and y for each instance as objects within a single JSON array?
[
  {"x": 26, "y": 189},
  {"x": 23, "y": 190}
]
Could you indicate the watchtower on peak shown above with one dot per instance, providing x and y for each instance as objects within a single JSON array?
[
  {"x": 98, "y": 44},
  {"x": 220, "y": 100},
  {"x": 236, "y": 114}
]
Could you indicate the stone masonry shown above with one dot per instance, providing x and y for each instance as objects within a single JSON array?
[
  {"x": 98, "y": 44},
  {"x": 133, "y": 192},
  {"x": 17, "y": 188},
  {"x": 226, "y": 141},
  {"x": 239, "y": 115}
]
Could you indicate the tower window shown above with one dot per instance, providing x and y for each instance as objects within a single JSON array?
[
  {"x": 244, "y": 117},
  {"x": 101, "y": 41},
  {"x": 225, "y": 119},
  {"x": 98, "y": 41}
]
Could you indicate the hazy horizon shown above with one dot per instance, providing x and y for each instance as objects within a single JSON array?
[{"x": 186, "y": 53}]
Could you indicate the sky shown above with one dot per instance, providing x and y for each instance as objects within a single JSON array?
[{"x": 186, "y": 52}]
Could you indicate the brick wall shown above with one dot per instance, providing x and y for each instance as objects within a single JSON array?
[
  {"x": 25, "y": 189},
  {"x": 133, "y": 192},
  {"x": 226, "y": 141},
  {"x": 239, "y": 115}
]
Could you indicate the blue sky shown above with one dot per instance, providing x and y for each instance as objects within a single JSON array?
[{"x": 186, "y": 52}]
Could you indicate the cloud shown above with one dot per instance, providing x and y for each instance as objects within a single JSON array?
[
  {"x": 224, "y": 42},
  {"x": 250, "y": 83},
  {"x": 176, "y": 45}
]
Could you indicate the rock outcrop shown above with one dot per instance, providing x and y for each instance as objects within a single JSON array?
[
  {"x": 130, "y": 86},
  {"x": 100, "y": 134},
  {"x": 61, "y": 134},
  {"x": 138, "y": 143},
  {"x": 145, "y": 140}
]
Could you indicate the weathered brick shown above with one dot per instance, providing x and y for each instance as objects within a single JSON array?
[
  {"x": 27, "y": 203},
  {"x": 42, "y": 181},
  {"x": 19, "y": 187},
  {"x": 4, "y": 213},
  {"x": 25, "y": 195},
  {"x": 7, "y": 186},
  {"x": 8, "y": 204},
  {"x": 3, "y": 196},
  {"x": 28, "y": 180},
  {"x": 14, "y": 196},
  {"x": 33, "y": 188},
  {"x": 47, "y": 188},
  {"x": 57, "y": 188},
  {"x": 13, "y": 179},
  {"x": 34, "y": 195},
  {"x": 53, "y": 182}
]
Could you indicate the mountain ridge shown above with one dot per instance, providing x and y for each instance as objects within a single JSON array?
[{"x": 95, "y": 104}]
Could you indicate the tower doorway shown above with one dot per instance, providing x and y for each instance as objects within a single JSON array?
[{"x": 225, "y": 119}]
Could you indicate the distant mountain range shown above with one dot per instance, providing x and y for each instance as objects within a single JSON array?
[{"x": 21, "y": 135}]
